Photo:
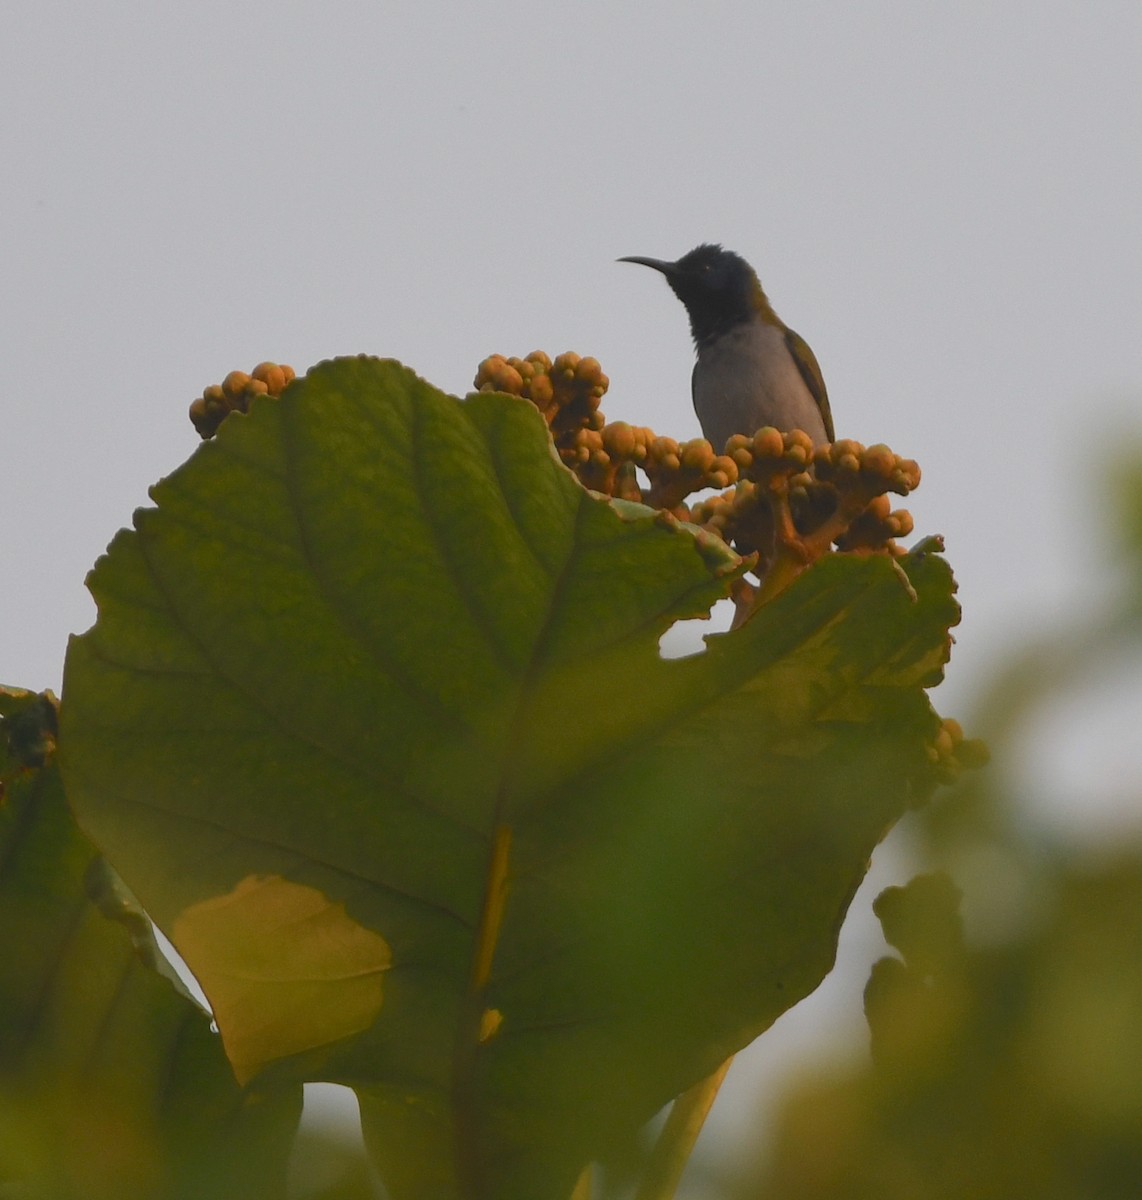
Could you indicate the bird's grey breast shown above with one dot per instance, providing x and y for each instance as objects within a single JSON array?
[{"x": 747, "y": 378}]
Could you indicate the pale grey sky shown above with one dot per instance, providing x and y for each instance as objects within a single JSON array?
[{"x": 943, "y": 199}]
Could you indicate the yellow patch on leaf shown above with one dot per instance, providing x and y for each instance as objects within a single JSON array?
[{"x": 285, "y": 969}]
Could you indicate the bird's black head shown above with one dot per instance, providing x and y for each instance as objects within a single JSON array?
[{"x": 719, "y": 288}]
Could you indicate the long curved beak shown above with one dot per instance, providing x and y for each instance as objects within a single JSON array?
[{"x": 657, "y": 264}]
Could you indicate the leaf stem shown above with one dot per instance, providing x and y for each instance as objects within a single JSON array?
[
  {"x": 477, "y": 1023},
  {"x": 493, "y": 909},
  {"x": 675, "y": 1143}
]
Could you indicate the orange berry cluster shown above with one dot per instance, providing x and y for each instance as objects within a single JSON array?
[
  {"x": 785, "y": 495},
  {"x": 673, "y": 469},
  {"x": 796, "y": 499},
  {"x": 783, "y": 500},
  {"x": 567, "y": 391},
  {"x": 234, "y": 394},
  {"x": 606, "y": 460}
]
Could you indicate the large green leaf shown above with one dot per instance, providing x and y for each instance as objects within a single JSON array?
[
  {"x": 111, "y": 1083},
  {"x": 374, "y": 722}
]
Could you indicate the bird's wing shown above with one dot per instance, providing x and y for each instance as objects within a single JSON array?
[{"x": 810, "y": 370}]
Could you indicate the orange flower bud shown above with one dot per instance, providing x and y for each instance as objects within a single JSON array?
[
  {"x": 697, "y": 454},
  {"x": 235, "y": 383},
  {"x": 272, "y": 376},
  {"x": 619, "y": 439},
  {"x": 768, "y": 443}
]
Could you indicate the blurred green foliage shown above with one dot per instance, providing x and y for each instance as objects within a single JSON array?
[
  {"x": 1007, "y": 1056},
  {"x": 112, "y": 1086}
]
